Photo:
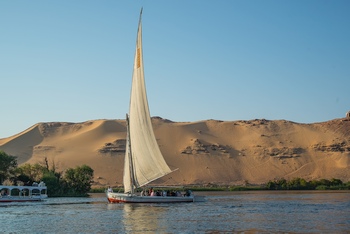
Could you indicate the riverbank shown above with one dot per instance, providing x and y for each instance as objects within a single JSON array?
[{"x": 281, "y": 184}]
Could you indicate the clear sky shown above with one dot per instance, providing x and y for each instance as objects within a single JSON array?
[{"x": 71, "y": 61}]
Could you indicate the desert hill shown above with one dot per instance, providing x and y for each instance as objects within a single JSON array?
[{"x": 211, "y": 151}]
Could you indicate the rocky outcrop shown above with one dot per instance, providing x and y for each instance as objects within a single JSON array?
[
  {"x": 336, "y": 147},
  {"x": 199, "y": 147},
  {"x": 285, "y": 152},
  {"x": 118, "y": 146}
]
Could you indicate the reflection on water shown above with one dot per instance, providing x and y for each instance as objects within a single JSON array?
[
  {"x": 142, "y": 218},
  {"x": 298, "y": 212}
]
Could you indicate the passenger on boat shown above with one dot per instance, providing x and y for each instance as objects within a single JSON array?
[
  {"x": 145, "y": 192},
  {"x": 110, "y": 190},
  {"x": 188, "y": 193},
  {"x": 153, "y": 194}
]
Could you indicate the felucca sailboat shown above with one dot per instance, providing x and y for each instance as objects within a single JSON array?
[{"x": 144, "y": 161}]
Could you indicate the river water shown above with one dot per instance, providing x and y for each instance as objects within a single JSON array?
[{"x": 222, "y": 212}]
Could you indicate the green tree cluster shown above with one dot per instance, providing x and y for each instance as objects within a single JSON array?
[
  {"x": 302, "y": 184},
  {"x": 79, "y": 179},
  {"x": 8, "y": 165},
  {"x": 74, "y": 182}
]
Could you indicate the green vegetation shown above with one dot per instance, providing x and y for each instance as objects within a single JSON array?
[
  {"x": 79, "y": 179},
  {"x": 97, "y": 190},
  {"x": 8, "y": 164},
  {"x": 301, "y": 184},
  {"x": 281, "y": 184},
  {"x": 214, "y": 188},
  {"x": 74, "y": 182}
]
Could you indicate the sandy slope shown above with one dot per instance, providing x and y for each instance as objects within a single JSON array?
[{"x": 203, "y": 152}]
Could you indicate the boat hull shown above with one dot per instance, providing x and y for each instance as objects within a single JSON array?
[
  {"x": 35, "y": 193},
  {"x": 22, "y": 199},
  {"x": 128, "y": 198}
]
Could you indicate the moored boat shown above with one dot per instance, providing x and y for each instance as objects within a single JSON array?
[{"x": 37, "y": 192}]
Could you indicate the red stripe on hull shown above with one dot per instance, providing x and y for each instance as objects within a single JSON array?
[{"x": 20, "y": 200}]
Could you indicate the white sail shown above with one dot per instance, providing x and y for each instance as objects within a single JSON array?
[{"x": 147, "y": 161}]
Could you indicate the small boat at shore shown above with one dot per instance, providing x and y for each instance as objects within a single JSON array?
[
  {"x": 37, "y": 192},
  {"x": 143, "y": 161}
]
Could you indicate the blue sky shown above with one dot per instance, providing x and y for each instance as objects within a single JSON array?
[{"x": 71, "y": 61}]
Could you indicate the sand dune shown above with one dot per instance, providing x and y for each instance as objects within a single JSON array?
[{"x": 203, "y": 152}]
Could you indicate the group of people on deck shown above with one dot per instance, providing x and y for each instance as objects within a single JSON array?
[
  {"x": 165, "y": 193},
  {"x": 41, "y": 184}
]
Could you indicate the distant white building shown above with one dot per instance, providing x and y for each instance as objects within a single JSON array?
[{"x": 348, "y": 115}]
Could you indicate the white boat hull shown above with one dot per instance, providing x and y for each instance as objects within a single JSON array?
[
  {"x": 22, "y": 199},
  {"x": 128, "y": 198},
  {"x": 34, "y": 193}
]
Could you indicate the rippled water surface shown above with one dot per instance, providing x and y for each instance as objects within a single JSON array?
[{"x": 293, "y": 212}]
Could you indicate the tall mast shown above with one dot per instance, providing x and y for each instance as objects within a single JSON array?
[{"x": 131, "y": 164}]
